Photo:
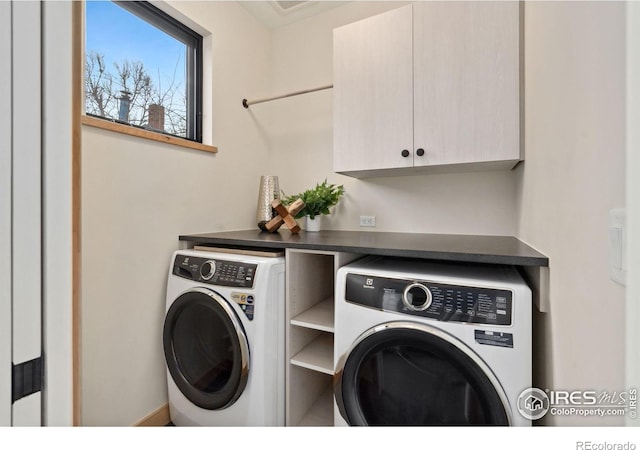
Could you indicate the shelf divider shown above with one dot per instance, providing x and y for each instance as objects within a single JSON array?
[
  {"x": 318, "y": 355},
  {"x": 319, "y": 317}
]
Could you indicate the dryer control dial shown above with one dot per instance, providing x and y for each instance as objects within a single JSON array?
[
  {"x": 417, "y": 297},
  {"x": 208, "y": 269}
]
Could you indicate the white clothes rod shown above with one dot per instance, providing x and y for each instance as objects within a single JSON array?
[{"x": 247, "y": 103}]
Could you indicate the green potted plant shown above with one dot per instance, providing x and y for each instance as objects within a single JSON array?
[{"x": 317, "y": 202}]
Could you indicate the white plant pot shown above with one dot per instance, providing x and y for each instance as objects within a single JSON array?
[{"x": 313, "y": 224}]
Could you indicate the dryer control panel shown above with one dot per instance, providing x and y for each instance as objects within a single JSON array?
[
  {"x": 215, "y": 271},
  {"x": 444, "y": 302}
]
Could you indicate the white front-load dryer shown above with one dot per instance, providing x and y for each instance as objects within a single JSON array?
[
  {"x": 223, "y": 339},
  {"x": 430, "y": 343}
]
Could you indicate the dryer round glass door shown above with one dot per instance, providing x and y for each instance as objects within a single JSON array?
[
  {"x": 405, "y": 373},
  {"x": 206, "y": 349}
]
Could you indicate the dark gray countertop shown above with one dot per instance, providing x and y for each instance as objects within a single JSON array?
[{"x": 445, "y": 247}]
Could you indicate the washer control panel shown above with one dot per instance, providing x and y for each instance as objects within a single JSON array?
[
  {"x": 215, "y": 271},
  {"x": 444, "y": 302}
]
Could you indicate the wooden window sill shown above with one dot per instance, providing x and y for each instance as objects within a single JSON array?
[{"x": 146, "y": 134}]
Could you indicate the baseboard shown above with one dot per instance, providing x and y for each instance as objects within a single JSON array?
[{"x": 159, "y": 418}]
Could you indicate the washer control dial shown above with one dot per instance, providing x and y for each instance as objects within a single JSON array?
[
  {"x": 207, "y": 269},
  {"x": 417, "y": 297}
]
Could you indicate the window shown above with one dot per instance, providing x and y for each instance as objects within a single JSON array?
[{"x": 143, "y": 68}]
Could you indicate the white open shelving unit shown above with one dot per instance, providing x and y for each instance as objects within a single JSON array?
[{"x": 310, "y": 324}]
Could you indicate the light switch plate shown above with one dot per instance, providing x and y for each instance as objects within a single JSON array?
[{"x": 618, "y": 245}]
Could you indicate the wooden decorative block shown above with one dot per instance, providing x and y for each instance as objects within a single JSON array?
[{"x": 286, "y": 215}]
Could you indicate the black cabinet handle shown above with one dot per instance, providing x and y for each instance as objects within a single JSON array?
[
  {"x": 420, "y": 152},
  {"x": 405, "y": 153}
]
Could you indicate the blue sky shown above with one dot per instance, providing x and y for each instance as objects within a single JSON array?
[{"x": 120, "y": 35}]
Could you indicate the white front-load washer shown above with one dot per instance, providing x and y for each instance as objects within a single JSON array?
[
  {"x": 223, "y": 339},
  {"x": 430, "y": 343}
]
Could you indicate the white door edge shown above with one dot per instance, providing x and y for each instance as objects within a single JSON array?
[
  {"x": 26, "y": 180},
  {"x": 57, "y": 243}
]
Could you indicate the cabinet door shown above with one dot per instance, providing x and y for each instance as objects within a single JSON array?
[
  {"x": 373, "y": 93},
  {"x": 466, "y": 82}
]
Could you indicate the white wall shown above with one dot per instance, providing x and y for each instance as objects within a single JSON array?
[
  {"x": 557, "y": 201},
  {"x": 300, "y": 135},
  {"x": 573, "y": 175},
  {"x": 138, "y": 196},
  {"x": 633, "y": 200}
]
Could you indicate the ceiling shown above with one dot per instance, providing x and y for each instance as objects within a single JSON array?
[{"x": 275, "y": 14}]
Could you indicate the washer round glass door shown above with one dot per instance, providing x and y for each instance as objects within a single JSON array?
[
  {"x": 206, "y": 349},
  {"x": 405, "y": 373}
]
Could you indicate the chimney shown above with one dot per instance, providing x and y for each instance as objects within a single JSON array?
[
  {"x": 156, "y": 117},
  {"x": 125, "y": 104}
]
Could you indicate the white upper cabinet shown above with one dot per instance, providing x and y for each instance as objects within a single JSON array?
[
  {"x": 373, "y": 92},
  {"x": 432, "y": 85}
]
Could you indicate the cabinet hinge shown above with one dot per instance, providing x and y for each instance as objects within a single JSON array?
[{"x": 27, "y": 378}]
